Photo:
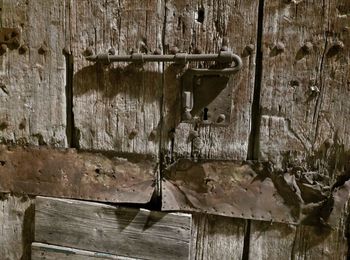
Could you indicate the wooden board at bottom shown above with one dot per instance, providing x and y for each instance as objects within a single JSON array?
[
  {"x": 108, "y": 229},
  {"x": 42, "y": 251}
]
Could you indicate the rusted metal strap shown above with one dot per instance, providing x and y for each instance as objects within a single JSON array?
[
  {"x": 248, "y": 190},
  {"x": 67, "y": 173}
]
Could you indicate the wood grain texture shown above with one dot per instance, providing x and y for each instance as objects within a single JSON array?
[
  {"x": 32, "y": 93},
  {"x": 305, "y": 84},
  {"x": 42, "y": 251},
  {"x": 208, "y": 25},
  {"x": 282, "y": 241},
  {"x": 16, "y": 226},
  {"x": 121, "y": 231},
  {"x": 117, "y": 107},
  {"x": 216, "y": 237}
]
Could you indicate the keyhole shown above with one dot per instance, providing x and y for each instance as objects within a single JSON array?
[
  {"x": 205, "y": 114},
  {"x": 200, "y": 17}
]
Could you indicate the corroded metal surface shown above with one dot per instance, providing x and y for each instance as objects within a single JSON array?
[
  {"x": 70, "y": 174},
  {"x": 249, "y": 190}
]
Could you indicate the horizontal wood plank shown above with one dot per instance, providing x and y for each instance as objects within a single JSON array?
[
  {"x": 42, "y": 251},
  {"x": 121, "y": 231}
]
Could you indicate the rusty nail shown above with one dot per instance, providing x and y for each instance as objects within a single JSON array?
[
  {"x": 157, "y": 52},
  {"x": 308, "y": 46},
  {"x": 153, "y": 134},
  {"x": 133, "y": 133},
  {"x": 221, "y": 118},
  {"x": 111, "y": 51},
  {"x": 23, "y": 49},
  {"x": 339, "y": 45},
  {"x": 250, "y": 48},
  {"x": 3, "y": 48},
  {"x": 174, "y": 50},
  {"x": 88, "y": 52},
  {"x": 43, "y": 49},
  {"x": 198, "y": 50},
  {"x": 280, "y": 46}
]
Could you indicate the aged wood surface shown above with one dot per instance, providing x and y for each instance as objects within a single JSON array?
[
  {"x": 206, "y": 26},
  {"x": 117, "y": 107},
  {"x": 216, "y": 237},
  {"x": 282, "y": 241},
  {"x": 42, "y": 251},
  {"x": 16, "y": 226},
  {"x": 32, "y": 74},
  {"x": 305, "y": 115},
  {"x": 127, "y": 232},
  {"x": 66, "y": 173}
]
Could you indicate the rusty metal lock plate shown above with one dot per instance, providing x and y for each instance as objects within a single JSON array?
[
  {"x": 10, "y": 37},
  {"x": 207, "y": 96}
]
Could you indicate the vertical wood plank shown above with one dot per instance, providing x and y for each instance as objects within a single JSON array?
[
  {"x": 117, "y": 107},
  {"x": 32, "y": 93},
  {"x": 16, "y": 226},
  {"x": 304, "y": 115},
  {"x": 209, "y": 25},
  {"x": 216, "y": 237}
]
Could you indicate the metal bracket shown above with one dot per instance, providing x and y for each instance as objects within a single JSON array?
[
  {"x": 206, "y": 92},
  {"x": 207, "y": 95}
]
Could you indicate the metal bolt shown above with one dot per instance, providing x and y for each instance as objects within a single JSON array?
[
  {"x": 43, "y": 49},
  {"x": 280, "y": 47},
  {"x": 339, "y": 45},
  {"x": 153, "y": 134},
  {"x": 198, "y": 50},
  {"x": 88, "y": 52},
  {"x": 250, "y": 48},
  {"x": 307, "y": 48},
  {"x": 157, "y": 52},
  {"x": 3, "y": 48},
  {"x": 23, "y": 49},
  {"x": 221, "y": 118},
  {"x": 133, "y": 133},
  {"x": 111, "y": 51},
  {"x": 174, "y": 50}
]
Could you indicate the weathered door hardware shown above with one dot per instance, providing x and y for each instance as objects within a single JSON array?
[
  {"x": 9, "y": 38},
  {"x": 223, "y": 57},
  {"x": 206, "y": 92}
]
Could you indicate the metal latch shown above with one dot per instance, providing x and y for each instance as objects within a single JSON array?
[{"x": 206, "y": 95}]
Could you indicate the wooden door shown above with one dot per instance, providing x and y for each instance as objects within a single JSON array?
[{"x": 289, "y": 111}]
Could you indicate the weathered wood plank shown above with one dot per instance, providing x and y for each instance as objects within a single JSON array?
[
  {"x": 304, "y": 89},
  {"x": 117, "y": 107},
  {"x": 216, "y": 237},
  {"x": 127, "y": 232},
  {"x": 207, "y": 26},
  {"x": 32, "y": 77},
  {"x": 16, "y": 226},
  {"x": 42, "y": 251},
  {"x": 66, "y": 173},
  {"x": 282, "y": 241}
]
